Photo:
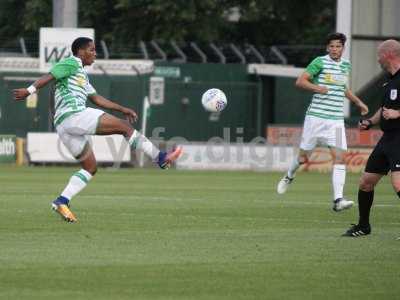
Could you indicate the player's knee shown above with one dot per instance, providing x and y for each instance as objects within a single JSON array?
[
  {"x": 303, "y": 159},
  {"x": 90, "y": 166},
  {"x": 396, "y": 187},
  {"x": 339, "y": 160},
  {"x": 366, "y": 185},
  {"x": 126, "y": 128},
  {"x": 92, "y": 170},
  {"x": 338, "y": 156}
]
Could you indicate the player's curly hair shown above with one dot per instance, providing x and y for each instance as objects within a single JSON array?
[
  {"x": 336, "y": 36},
  {"x": 80, "y": 43}
]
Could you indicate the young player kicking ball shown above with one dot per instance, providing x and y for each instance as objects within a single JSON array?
[
  {"x": 327, "y": 77},
  {"x": 74, "y": 121}
]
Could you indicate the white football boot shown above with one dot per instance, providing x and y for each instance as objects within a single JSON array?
[
  {"x": 283, "y": 184},
  {"x": 342, "y": 204}
]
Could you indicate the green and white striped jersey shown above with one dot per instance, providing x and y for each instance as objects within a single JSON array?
[
  {"x": 72, "y": 88},
  {"x": 334, "y": 75}
]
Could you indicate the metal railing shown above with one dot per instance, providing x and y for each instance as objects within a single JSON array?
[{"x": 214, "y": 52}]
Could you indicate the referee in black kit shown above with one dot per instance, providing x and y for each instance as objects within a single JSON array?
[{"x": 386, "y": 155}]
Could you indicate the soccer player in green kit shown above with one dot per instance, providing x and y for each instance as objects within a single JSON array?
[
  {"x": 74, "y": 121},
  {"x": 327, "y": 77}
]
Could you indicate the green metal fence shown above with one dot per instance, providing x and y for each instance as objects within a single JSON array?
[{"x": 181, "y": 114}]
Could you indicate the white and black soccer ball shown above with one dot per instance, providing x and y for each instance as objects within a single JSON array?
[{"x": 214, "y": 100}]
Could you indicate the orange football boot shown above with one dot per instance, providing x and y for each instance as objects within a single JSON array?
[{"x": 64, "y": 211}]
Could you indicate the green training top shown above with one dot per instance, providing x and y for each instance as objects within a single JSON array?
[
  {"x": 72, "y": 88},
  {"x": 334, "y": 75}
]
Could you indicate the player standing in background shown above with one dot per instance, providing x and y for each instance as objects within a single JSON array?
[
  {"x": 386, "y": 155},
  {"x": 327, "y": 77},
  {"x": 74, "y": 121}
]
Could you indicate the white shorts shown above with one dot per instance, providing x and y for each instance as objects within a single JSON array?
[
  {"x": 73, "y": 130},
  {"x": 318, "y": 131}
]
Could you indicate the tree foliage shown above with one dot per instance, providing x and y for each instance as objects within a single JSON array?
[
  {"x": 24, "y": 18},
  {"x": 263, "y": 22}
]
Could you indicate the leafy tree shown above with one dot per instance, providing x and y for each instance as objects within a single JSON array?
[
  {"x": 24, "y": 18},
  {"x": 285, "y": 21},
  {"x": 179, "y": 20},
  {"x": 261, "y": 22}
]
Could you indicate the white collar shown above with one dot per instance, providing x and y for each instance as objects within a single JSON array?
[{"x": 332, "y": 60}]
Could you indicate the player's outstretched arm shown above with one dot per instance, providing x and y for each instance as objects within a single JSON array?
[
  {"x": 99, "y": 100},
  {"x": 357, "y": 101},
  {"x": 22, "y": 93},
  {"x": 304, "y": 82}
]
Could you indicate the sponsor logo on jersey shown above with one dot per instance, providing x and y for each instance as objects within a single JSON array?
[
  {"x": 393, "y": 94},
  {"x": 336, "y": 78},
  {"x": 81, "y": 81}
]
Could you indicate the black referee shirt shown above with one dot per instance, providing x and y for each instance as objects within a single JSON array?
[{"x": 391, "y": 99}]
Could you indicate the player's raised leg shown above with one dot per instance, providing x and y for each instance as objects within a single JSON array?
[
  {"x": 109, "y": 124},
  {"x": 76, "y": 184},
  {"x": 307, "y": 145},
  {"x": 288, "y": 178}
]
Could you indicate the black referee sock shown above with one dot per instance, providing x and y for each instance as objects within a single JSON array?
[
  {"x": 398, "y": 194},
  {"x": 365, "y": 200}
]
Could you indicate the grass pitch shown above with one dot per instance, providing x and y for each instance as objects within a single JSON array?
[{"x": 151, "y": 234}]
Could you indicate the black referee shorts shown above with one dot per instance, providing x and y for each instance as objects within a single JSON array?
[{"x": 386, "y": 155}]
